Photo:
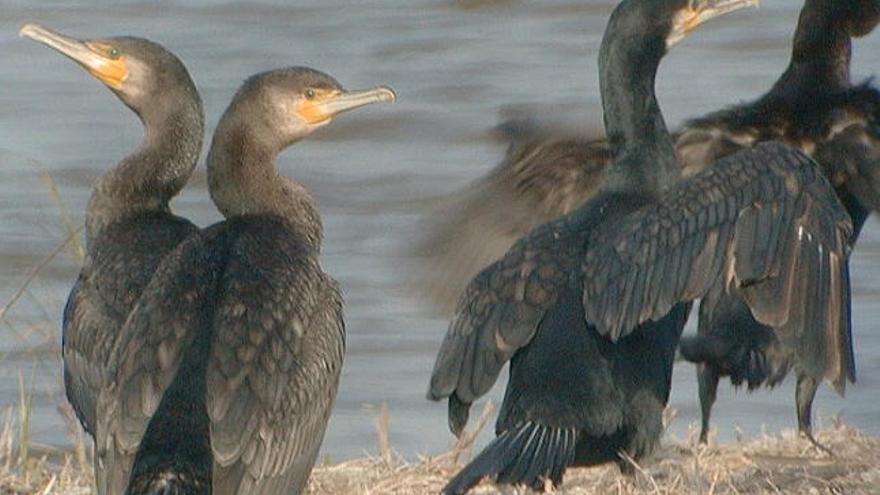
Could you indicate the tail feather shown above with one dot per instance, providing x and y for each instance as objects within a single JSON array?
[
  {"x": 171, "y": 479},
  {"x": 458, "y": 412},
  {"x": 529, "y": 455}
]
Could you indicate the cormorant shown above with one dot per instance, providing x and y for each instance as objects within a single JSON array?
[
  {"x": 129, "y": 224},
  {"x": 227, "y": 370},
  {"x": 548, "y": 171},
  {"x": 589, "y": 308},
  {"x": 814, "y": 106}
]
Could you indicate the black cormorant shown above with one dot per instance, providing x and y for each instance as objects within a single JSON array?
[
  {"x": 129, "y": 225},
  {"x": 227, "y": 370},
  {"x": 813, "y": 106},
  {"x": 548, "y": 171},
  {"x": 589, "y": 308}
]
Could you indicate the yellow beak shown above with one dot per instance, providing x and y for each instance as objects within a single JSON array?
[
  {"x": 110, "y": 71},
  {"x": 324, "y": 107}
]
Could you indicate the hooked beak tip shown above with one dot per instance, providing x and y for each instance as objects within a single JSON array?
[
  {"x": 387, "y": 94},
  {"x": 28, "y": 29}
]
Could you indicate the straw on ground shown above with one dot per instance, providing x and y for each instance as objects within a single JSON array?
[{"x": 782, "y": 463}]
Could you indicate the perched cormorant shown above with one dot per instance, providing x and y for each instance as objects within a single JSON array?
[
  {"x": 814, "y": 106},
  {"x": 589, "y": 308},
  {"x": 227, "y": 370},
  {"x": 129, "y": 225},
  {"x": 548, "y": 171}
]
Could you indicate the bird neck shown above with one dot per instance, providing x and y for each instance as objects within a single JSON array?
[
  {"x": 643, "y": 156},
  {"x": 155, "y": 172},
  {"x": 244, "y": 180},
  {"x": 821, "y": 52}
]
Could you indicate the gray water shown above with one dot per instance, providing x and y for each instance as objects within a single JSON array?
[{"x": 374, "y": 172}]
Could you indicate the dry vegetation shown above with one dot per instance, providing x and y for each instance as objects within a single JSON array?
[{"x": 771, "y": 464}]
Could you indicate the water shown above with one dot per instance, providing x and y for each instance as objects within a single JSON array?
[{"x": 374, "y": 172}]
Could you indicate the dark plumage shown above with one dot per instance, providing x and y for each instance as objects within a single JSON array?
[
  {"x": 227, "y": 370},
  {"x": 813, "y": 106},
  {"x": 589, "y": 308},
  {"x": 129, "y": 225},
  {"x": 547, "y": 172}
]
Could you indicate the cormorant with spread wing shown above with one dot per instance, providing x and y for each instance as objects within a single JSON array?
[
  {"x": 814, "y": 106},
  {"x": 549, "y": 172},
  {"x": 589, "y": 308}
]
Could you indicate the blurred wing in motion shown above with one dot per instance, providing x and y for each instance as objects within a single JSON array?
[{"x": 545, "y": 174}]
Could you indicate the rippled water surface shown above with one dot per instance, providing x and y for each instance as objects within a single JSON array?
[{"x": 374, "y": 172}]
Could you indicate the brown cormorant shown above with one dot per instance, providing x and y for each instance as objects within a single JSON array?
[
  {"x": 227, "y": 370},
  {"x": 589, "y": 308},
  {"x": 129, "y": 225}
]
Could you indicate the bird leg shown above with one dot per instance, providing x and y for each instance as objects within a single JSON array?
[
  {"x": 707, "y": 379},
  {"x": 804, "y": 394}
]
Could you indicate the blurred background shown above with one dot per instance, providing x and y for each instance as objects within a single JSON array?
[{"x": 375, "y": 172}]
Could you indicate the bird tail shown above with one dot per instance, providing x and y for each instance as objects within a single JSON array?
[
  {"x": 174, "y": 456},
  {"x": 530, "y": 454},
  {"x": 170, "y": 479}
]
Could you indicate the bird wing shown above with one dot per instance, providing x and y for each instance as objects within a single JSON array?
[
  {"x": 85, "y": 312},
  {"x": 702, "y": 142},
  {"x": 543, "y": 176},
  {"x": 145, "y": 360},
  {"x": 764, "y": 221},
  {"x": 112, "y": 278},
  {"x": 500, "y": 310},
  {"x": 274, "y": 323},
  {"x": 274, "y": 368}
]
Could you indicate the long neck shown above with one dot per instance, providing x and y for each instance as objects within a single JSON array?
[
  {"x": 155, "y": 172},
  {"x": 821, "y": 51},
  {"x": 641, "y": 148},
  {"x": 243, "y": 180}
]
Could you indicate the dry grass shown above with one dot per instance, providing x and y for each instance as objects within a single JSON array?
[
  {"x": 783, "y": 463},
  {"x": 772, "y": 464}
]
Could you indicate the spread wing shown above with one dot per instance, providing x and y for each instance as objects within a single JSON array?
[
  {"x": 543, "y": 176},
  {"x": 764, "y": 222},
  {"x": 499, "y": 313}
]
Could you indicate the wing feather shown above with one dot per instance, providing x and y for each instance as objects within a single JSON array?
[{"x": 773, "y": 229}]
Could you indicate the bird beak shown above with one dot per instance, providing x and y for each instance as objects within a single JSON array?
[
  {"x": 699, "y": 11},
  {"x": 326, "y": 106},
  {"x": 89, "y": 54}
]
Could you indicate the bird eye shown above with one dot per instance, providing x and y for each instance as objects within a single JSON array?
[
  {"x": 113, "y": 52},
  {"x": 310, "y": 93}
]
